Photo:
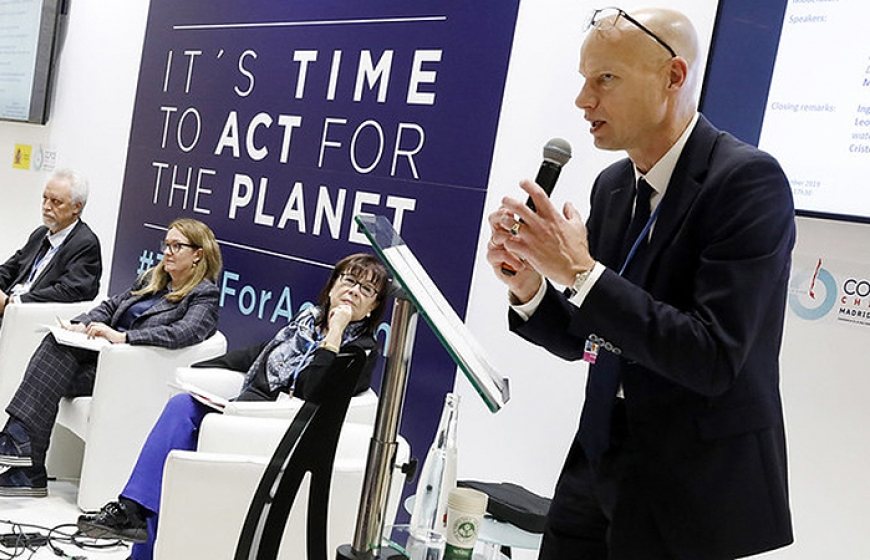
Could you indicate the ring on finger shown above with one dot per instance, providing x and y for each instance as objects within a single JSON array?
[{"x": 515, "y": 229}]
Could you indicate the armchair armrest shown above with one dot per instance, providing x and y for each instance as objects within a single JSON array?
[
  {"x": 194, "y": 483},
  {"x": 284, "y": 408},
  {"x": 362, "y": 408},
  {"x": 215, "y": 480},
  {"x": 222, "y": 433},
  {"x": 142, "y": 373},
  {"x": 222, "y": 382},
  {"x": 130, "y": 390},
  {"x": 23, "y": 328}
]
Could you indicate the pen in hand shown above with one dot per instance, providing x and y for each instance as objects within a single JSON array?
[{"x": 64, "y": 324}]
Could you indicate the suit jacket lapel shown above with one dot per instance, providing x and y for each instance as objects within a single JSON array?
[
  {"x": 69, "y": 238},
  {"x": 166, "y": 305},
  {"x": 684, "y": 186},
  {"x": 32, "y": 251},
  {"x": 35, "y": 253},
  {"x": 55, "y": 260},
  {"x": 162, "y": 305},
  {"x": 617, "y": 214},
  {"x": 123, "y": 306}
]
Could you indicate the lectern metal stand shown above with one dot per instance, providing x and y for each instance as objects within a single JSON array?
[
  {"x": 382, "y": 450},
  {"x": 418, "y": 293}
]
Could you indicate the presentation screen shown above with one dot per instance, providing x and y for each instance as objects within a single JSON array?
[
  {"x": 29, "y": 31},
  {"x": 794, "y": 78}
]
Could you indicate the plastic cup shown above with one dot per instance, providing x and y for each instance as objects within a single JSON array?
[{"x": 465, "y": 509}]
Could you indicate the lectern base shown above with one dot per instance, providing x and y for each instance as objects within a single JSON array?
[{"x": 345, "y": 552}]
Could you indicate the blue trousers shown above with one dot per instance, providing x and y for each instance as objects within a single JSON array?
[{"x": 177, "y": 428}]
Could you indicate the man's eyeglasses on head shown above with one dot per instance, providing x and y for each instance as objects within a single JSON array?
[
  {"x": 606, "y": 18},
  {"x": 174, "y": 248},
  {"x": 349, "y": 281}
]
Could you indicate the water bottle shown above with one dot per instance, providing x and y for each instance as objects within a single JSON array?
[{"x": 438, "y": 476}]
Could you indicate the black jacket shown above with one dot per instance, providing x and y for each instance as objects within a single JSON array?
[
  {"x": 72, "y": 275},
  {"x": 312, "y": 383}
]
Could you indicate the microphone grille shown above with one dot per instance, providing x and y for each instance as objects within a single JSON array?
[{"x": 557, "y": 150}]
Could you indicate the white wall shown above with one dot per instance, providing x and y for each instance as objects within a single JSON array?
[
  {"x": 824, "y": 388},
  {"x": 20, "y": 190},
  {"x": 89, "y": 125},
  {"x": 823, "y": 385}
]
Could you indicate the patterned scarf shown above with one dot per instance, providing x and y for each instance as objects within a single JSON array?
[{"x": 292, "y": 349}]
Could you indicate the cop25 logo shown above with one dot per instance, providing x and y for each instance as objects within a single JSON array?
[{"x": 812, "y": 293}]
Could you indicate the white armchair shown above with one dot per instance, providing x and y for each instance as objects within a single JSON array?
[
  {"x": 23, "y": 328},
  {"x": 206, "y": 493},
  {"x": 130, "y": 390},
  {"x": 228, "y": 383}
]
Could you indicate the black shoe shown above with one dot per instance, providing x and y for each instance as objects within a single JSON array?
[
  {"x": 23, "y": 482},
  {"x": 114, "y": 521},
  {"x": 14, "y": 453}
]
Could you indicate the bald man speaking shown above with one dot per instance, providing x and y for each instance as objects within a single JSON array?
[{"x": 675, "y": 294}]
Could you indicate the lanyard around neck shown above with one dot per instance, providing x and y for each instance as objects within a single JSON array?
[
  {"x": 37, "y": 266},
  {"x": 642, "y": 236}
]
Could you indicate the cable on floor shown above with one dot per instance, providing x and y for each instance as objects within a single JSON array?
[{"x": 19, "y": 539}]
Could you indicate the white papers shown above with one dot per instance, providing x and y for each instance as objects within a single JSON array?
[
  {"x": 205, "y": 397},
  {"x": 78, "y": 339}
]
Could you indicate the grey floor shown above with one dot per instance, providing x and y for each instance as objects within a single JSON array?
[{"x": 58, "y": 508}]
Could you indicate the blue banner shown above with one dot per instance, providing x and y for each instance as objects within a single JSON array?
[{"x": 277, "y": 122}]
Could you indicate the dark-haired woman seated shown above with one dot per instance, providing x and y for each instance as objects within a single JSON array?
[
  {"x": 294, "y": 361},
  {"x": 173, "y": 305}
]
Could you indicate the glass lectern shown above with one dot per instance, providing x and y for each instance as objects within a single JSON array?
[
  {"x": 416, "y": 293},
  {"x": 308, "y": 446},
  {"x": 419, "y": 288}
]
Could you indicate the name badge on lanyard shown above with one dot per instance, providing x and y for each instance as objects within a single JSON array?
[{"x": 590, "y": 351}]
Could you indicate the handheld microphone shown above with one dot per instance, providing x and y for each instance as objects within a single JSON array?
[{"x": 557, "y": 152}]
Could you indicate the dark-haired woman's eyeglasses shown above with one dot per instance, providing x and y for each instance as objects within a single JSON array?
[{"x": 349, "y": 281}]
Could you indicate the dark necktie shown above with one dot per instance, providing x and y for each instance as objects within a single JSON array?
[
  {"x": 597, "y": 415},
  {"x": 640, "y": 218},
  {"x": 605, "y": 375},
  {"x": 44, "y": 248},
  {"x": 40, "y": 255}
]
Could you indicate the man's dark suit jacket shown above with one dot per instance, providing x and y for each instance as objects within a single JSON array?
[
  {"x": 72, "y": 275},
  {"x": 700, "y": 336}
]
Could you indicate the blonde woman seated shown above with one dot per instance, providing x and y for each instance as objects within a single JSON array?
[
  {"x": 296, "y": 360},
  {"x": 173, "y": 305}
]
